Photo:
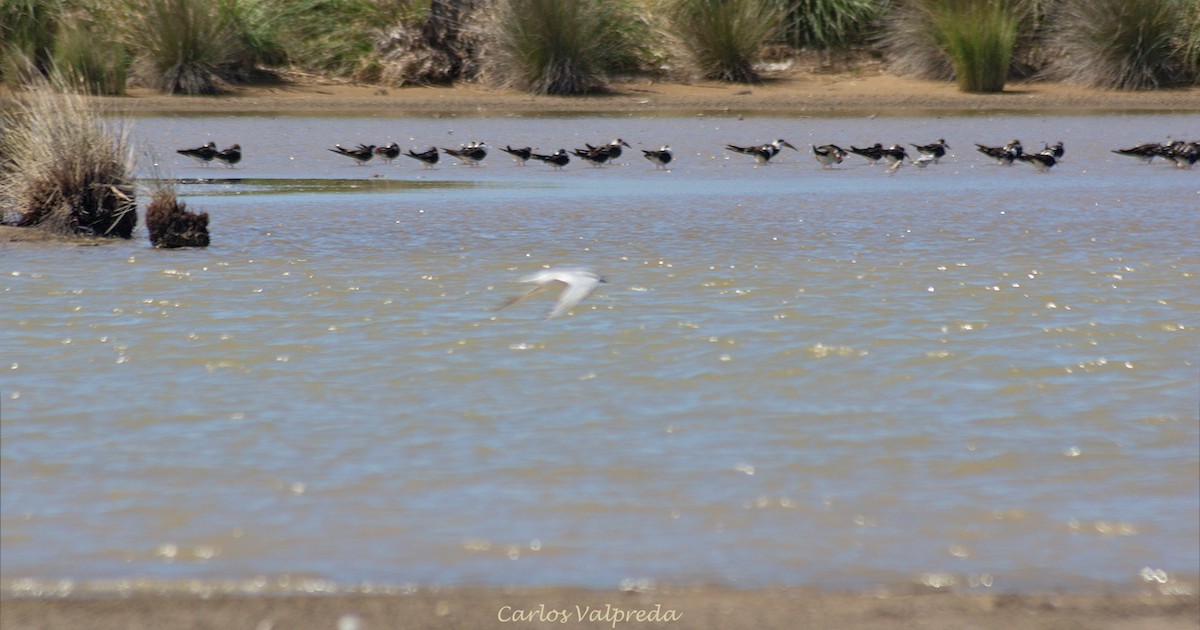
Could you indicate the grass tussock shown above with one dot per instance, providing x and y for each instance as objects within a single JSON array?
[
  {"x": 27, "y": 29},
  {"x": 86, "y": 58},
  {"x": 970, "y": 41},
  {"x": 170, "y": 224},
  {"x": 1125, "y": 44},
  {"x": 827, "y": 24},
  {"x": 552, "y": 46},
  {"x": 63, "y": 168},
  {"x": 979, "y": 36},
  {"x": 182, "y": 46},
  {"x": 724, "y": 38}
]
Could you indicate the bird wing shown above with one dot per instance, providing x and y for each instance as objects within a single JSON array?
[
  {"x": 578, "y": 288},
  {"x": 517, "y": 299}
]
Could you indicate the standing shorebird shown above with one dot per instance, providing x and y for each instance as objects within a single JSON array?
[
  {"x": 1003, "y": 155},
  {"x": 612, "y": 149},
  {"x": 360, "y": 155},
  {"x": 558, "y": 159},
  {"x": 873, "y": 154},
  {"x": 828, "y": 154},
  {"x": 596, "y": 156},
  {"x": 230, "y": 156},
  {"x": 661, "y": 157},
  {"x": 388, "y": 153},
  {"x": 1145, "y": 152},
  {"x": 428, "y": 157},
  {"x": 470, "y": 154},
  {"x": 1042, "y": 161},
  {"x": 203, "y": 155},
  {"x": 936, "y": 151},
  {"x": 576, "y": 284},
  {"x": 520, "y": 155},
  {"x": 763, "y": 152}
]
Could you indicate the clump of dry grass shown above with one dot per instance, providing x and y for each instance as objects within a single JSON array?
[
  {"x": 63, "y": 168},
  {"x": 1123, "y": 44},
  {"x": 724, "y": 38},
  {"x": 170, "y": 223}
]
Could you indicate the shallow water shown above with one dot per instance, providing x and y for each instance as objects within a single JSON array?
[{"x": 966, "y": 374}]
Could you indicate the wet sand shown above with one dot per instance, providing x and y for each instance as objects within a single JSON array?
[
  {"x": 798, "y": 93},
  {"x": 866, "y": 92},
  {"x": 694, "y": 609}
]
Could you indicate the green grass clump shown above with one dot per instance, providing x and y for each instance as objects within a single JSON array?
[
  {"x": 979, "y": 37},
  {"x": 971, "y": 41},
  {"x": 827, "y": 24},
  {"x": 336, "y": 37},
  {"x": 63, "y": 167},
  {"x": 183, "y": 46},
  {"x": 97, "y": 64},
  {"x": 725, "y": 37},
  {"x": 1123, "y": 44},
  {"x": 554, "y": 46},
  {"x": 27, "y": 29}
]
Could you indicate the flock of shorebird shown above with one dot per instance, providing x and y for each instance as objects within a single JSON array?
[{"x": 1180, "y": 153}]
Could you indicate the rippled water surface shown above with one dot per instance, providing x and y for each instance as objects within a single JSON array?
[{"x": 793, "y": 376}]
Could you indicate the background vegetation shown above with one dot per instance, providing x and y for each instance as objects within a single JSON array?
[{"x": 571, "y": 46}]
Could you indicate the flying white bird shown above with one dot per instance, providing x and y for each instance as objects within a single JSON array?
[{"x": 576, "y": 285}]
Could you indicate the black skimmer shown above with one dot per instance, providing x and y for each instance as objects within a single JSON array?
[
  {"x": 361, "y": 155},
  {"x": 1003, "y": 155},
  {"x": 1185, "y": 154},
  {"x": 613, "y": 149},
  {"x": 596, "y": 156},
  {"x": 661, "y": 157},
  {"x": 873, "y": 154},
  {"x": 1057, "y": 150},
  {"x": 1042, "y": 161},
  {"x": 895, "y": 155},
  {"x": 388, "y": 153},
  {"x": 203, "y": 155},
  {"x": 936, "y": 151},
  {"x": 470, "y": 154},
  {"x": 520, "y": 155},
  {"x": 1145, "y": 152},
  {"x": 558, "y": 159},
  {"x": 828, "y": 154},
  {"x": 428, "y": 157},
  {"x": 763, "y": 152},
  {"x": 230, "y": 156}
]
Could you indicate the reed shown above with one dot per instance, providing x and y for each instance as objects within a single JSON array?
[
  {"x": 979, "y": 37},
  {"x": 184, "y": 45},
  {"x": 64, "y": 167},
  {"x": 553, "y": 46},
  {"x": 724, "y": 38},
  {"x": 97, "y": 64},
  {"x": 27, "y": 29},
  {"x": 1120, "y": 44},
  {"x": 827, "y": 24}
]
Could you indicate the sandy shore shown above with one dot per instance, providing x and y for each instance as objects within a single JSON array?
[
  {"x": 793, "y": 92},
  {"x": 693, "y": 609}
]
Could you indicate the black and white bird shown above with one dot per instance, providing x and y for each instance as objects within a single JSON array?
[
  {"x": 1003, "y": 155},
  {"x": 936, "y": 150},
  {"x": 1185, "y": 154},
  {"x": 613, "y": 149},
  {"x": 596, "y": 156},
  {"x": 388, "y": 153},
  {"x": 521, "y": 156},
  {"x": 1041, "y": 161},
  {"x": 203, "y": 155},
  {"x": 576, "y": 285},
  {"x": 558, "y": 159},
  {"x": 873, "y": 154},
  {"x": 828, "y": 154},
  {"x": 1057, "y": 150},
  {"x": 1145, "y": 152},
  {"x": 230, "y": 156},
  {"x": 763, "y": 152},
  {"x": 470, "y": 154},
  {"x": 361, "y": 155},
  {"x": 428, "y": 157},
  {"x": 895, "y": 156},
  {"x": 660, "y": 157}
]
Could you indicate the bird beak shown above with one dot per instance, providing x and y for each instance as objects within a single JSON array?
[{"x": 789, "y": 145}]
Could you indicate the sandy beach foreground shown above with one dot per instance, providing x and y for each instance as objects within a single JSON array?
[{"x": 694, "y": 609}]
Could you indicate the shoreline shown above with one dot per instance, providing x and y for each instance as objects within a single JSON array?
[
  {"x": 698, "y": 608},
  {"x": 802, "y": 93}
]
